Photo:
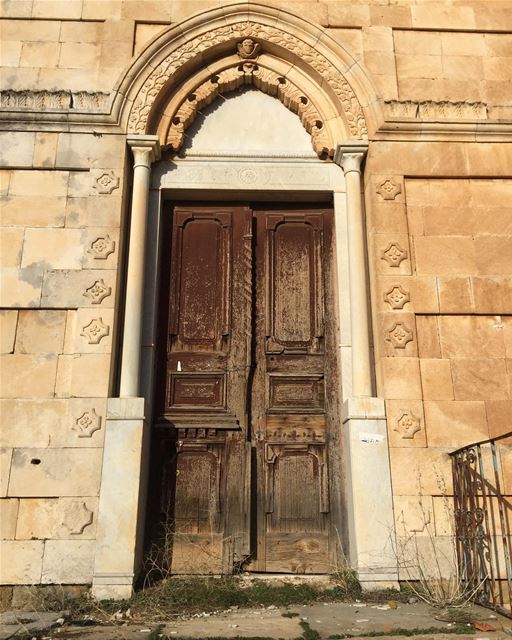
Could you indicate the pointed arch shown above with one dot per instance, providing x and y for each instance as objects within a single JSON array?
[{"x": 186, "y": 67}]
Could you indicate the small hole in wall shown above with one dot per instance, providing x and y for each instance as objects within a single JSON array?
[
  {"x": 303, "y": 100},
  {"x": 35, "y": 461},
  {"x": 281, "y": 80}
]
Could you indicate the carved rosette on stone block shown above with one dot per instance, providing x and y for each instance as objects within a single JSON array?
[
  {"x": 397, "y": 297},
  {"x": 408, "y": 425},
  {"x": 399, "y": 336},
  {"x": 394, "y": 255},
  {"x": 95, "y": 331},
  {"x": 388, "y": 190},
  {"x": 104, "y": 182},
  {"x": 87, "y": 424},
  {"x": 98, "y": 292},
  {"x": 77, "y": 517},
  {"x": 102, "y": 247}
]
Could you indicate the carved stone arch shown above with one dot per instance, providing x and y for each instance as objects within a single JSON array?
[
  {"x": 264, "y": 73},
  {"x": 184, "y": 69}
]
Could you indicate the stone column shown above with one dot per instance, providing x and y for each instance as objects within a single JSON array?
[
  {"x": 121, "y": 511},
  {"x": 368, "y": 491},
  {"x": 145, "y": 149},
  {"x": 350, "y": 157}
]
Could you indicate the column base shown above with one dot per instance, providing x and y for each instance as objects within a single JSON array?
[
  {"x": 112, "y": 586},
  {"x": 370, "y": 518},
  {"x": 375, "y": 581},
  {"x": 122, "y": 499}
]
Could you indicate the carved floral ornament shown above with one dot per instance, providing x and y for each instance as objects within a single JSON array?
[
  {"x": 408, "y": 425},
  {"x": 102, "y": 247},
  {"x": 95, "y": 331},
  {"x": 87, "y": 423},
  {"x": 393, "y": 254},
  {"x": 397, "y": 297},
  {"x": 248, "y": 40},
  {"x": 105, "y": 182},
  {"x": 98, "y": 291},
  {"x": 389, "y": 189},
  {"x": 399, "y": 335}
]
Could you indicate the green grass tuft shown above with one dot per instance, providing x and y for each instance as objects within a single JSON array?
[{"x": 307, "y": 632}]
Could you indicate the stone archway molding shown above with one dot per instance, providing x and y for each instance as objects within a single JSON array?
[
  {"x": 284, "y": 47},
  {"x": 248, "y": 73}
]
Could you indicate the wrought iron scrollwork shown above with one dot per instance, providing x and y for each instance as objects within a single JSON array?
[{"x": 483, "y": 517}]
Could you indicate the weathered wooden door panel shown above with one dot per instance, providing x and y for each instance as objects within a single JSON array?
[
  {"x": 293, "y": 552},
  {"x": 206, "y": 373},
  {"x": 246, "y": 378},
  {"x": 288, "y": 396}
]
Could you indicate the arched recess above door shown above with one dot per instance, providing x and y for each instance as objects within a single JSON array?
[{"x": 186, "y": 67}]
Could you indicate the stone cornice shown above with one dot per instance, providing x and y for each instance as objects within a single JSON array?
[{"x": 83, "y": 111}]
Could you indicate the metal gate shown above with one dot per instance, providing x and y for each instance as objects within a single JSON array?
[{"x": 482, "y": 485}]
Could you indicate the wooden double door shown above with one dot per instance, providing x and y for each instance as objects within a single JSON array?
[{"x": 248, "y": 390}]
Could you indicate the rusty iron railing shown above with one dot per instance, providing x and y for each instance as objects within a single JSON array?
[{"x": 483, "y": 520}]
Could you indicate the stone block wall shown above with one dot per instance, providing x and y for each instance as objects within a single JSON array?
[
  {"x": 440, "y": 245},
  {"x": 60, "y": 215},
  {"x": 442, "y": 261}
]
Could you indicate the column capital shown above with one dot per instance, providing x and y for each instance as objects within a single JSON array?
[
  {"x": 145, "y": 149},
  {"x": 350, "y": 155}
]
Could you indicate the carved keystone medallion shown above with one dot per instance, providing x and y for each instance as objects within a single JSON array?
[
  {"x": 389, "y": 190},
  {"x": 95, "y": 331},
  {"x": 399, "y": 336},
  {"x": 105, "y": 183},
  {"x": 248, "y": 48},
  {"x": 407, "y": 425},
  {"x": 98, "y": 292},
  {"x": 102, "y": 247},
  {"x": 87, "y": 424},
  {"x": 397, "y": 297},
  {"x": 394, "y": 254}
]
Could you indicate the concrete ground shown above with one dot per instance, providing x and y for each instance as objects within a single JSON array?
[{"x": 328, "y": 619}]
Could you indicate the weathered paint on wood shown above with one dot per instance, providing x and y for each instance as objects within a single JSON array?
[{"x": 246, "y": 385}]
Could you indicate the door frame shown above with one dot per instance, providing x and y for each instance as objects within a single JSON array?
[{"x": 296, "y": 179}]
